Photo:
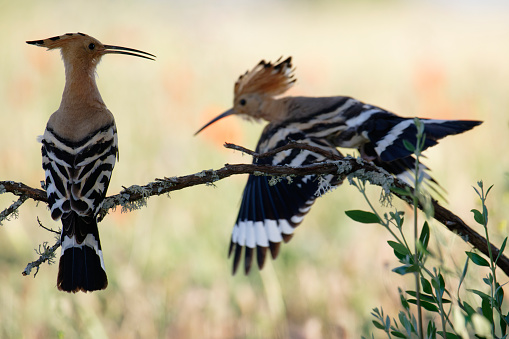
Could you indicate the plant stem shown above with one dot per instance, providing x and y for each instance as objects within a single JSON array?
[
  {"x": 362, "y": 188},
  {"x": 493, "y": 267},
  {"x": 418, "y": 148},
  {"x": 416, "y": 259}
]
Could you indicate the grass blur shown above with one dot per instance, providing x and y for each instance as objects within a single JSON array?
[{"x": 167, "y": 266}]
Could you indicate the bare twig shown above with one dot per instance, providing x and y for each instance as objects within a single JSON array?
[
  {"x": 11, "y": 210},
  {"x": 46, "y": 254},
  {"x": 135, "y": 196},
  {"x": 46, "y": 228},
  {"x": 290, "y": 145}
]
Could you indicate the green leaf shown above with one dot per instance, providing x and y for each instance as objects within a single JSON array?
[
  {"x": 426, "y": 305},
  {"x": 440, "y": 288},
  {"x": 432, "y": 330},
  {"x": 464, "y": 273},
  {"x": 429, "y": 307},
  {"x": 483, "y": 295},
  {"x": 378, "y": 325},
  {"x": 426, "y": 286},
  {"x": 503, "y": 326},
  {"x": 400, "y": 191},
  {"x": 400, "y": 248},
  {"x": 402, "y": 270},
  {"x": 435, "y": 283},
  {"x": 487, "y": 311},
  {"x": 485, "y": 213},
  {"x": 424, "y": 237},
  {"x": 408, "y": 145},
  {"x": 376, "y": 312},
  {"x": 469, "y": 309},
  {"x": 427, "y": 297},
  {"x": 404, "y": 303},
  {"x": 405, "y": 322},
  {"x": 475, "y": 189},
  {"x": 488, "y": 191},
  {"x": 506, "y": 318},
  {"x": 478, "y": 217},
  {"x": 398, "y": 334},
  {"x": 449, "y": 335},
  {"x": 363, "y": 217},
  {"x": 499, "y": 295},
  {"x": 502, "y": 248},
  {"x": 424, "y": 297},
  {"x": 402, "y": 258},
  {"x": 477, "y": 259},
  {"x": 423, "y": 140}
]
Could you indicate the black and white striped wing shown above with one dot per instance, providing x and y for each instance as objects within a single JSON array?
[
  {"x": 272, "y": 208},
  {"x": 77, "y": 179},
  {"x": 379, "y": 135},
  {"x": 78, "y": 173}
]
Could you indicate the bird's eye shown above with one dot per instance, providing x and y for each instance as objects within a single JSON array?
[
  {"x": 242, "y": 102},
  {"x": 91, "y": 46}
]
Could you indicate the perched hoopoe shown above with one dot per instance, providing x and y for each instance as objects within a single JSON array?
[
  {"x": 269, "y": 213},
  {"x": 79, "y": 150}
]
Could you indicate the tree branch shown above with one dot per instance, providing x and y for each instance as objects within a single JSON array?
[
  {"x": 135, "y": 196},
  {"x": 13, "y": 209},
  {"x": 45, "y": 254}
]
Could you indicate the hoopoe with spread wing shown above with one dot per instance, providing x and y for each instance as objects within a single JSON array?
[
  {"x": 79, "y": 150},
  {"x": 269, "y": 213}
]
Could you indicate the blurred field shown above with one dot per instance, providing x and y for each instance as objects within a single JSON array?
[{"x": 167, "y": 266}]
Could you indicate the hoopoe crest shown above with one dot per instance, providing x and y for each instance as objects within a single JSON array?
[
  {"x": 254, "y": 91},
  {"x": 79, "y": 151},
  {"x": 269, "y": 213}
]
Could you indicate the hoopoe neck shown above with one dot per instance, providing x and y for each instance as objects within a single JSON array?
[
  {"x": 82, "y": 110},
  {"x": 274, "y": 110},
  {"x": 80, "y": 88}
]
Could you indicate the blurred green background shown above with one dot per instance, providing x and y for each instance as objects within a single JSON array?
[{"x": 167, "y": 267}]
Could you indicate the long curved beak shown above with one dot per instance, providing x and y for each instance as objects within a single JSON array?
[
  {"x": 219, "y": 117},
  {"x": 109, "y": 49}
]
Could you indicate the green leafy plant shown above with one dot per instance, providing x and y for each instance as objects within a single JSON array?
[{"x": 447, "y": 314}]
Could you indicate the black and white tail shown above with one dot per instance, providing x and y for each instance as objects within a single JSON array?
[
  {"x": 77, "y": 178},
  {"x": 81, "y": 266}
]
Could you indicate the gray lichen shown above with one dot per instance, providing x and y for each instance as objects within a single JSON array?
[
  {"x": 382, "y": 179},
  {"x": 274, "y": 180},
  {"x": 343, "y": 166},
  {"x": 12, "y": 211},
  {"x": 324, "y": 185},
  {"x": 213, "y": 176},
  {"x": 203, "y": 173},
  {"x": 128, "y": 206}
]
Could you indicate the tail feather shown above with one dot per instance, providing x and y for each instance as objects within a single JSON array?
[{"x": 81, "y": 266}]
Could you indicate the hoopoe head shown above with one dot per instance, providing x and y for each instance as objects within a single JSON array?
[
  {"x": 255, "y": 89},
  {"x": 79, "y": 49}
]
